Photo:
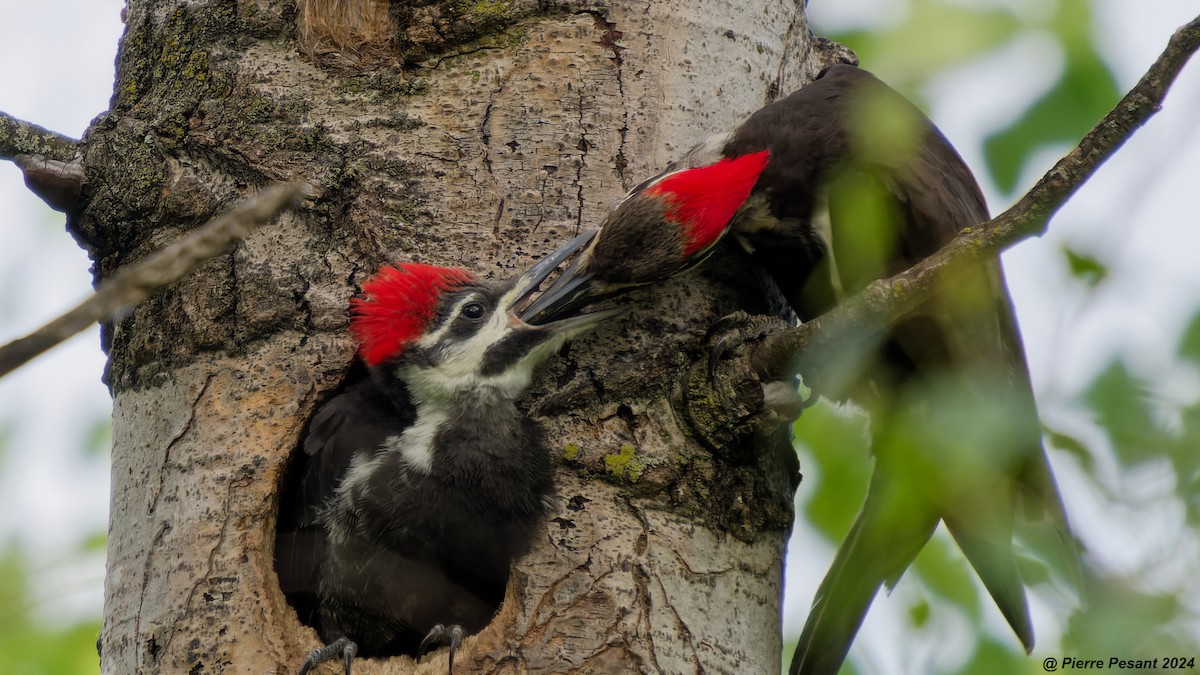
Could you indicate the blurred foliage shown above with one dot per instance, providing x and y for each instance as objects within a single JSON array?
[
  {"x": 937, "y": 35},
  {"x": 1085, "y": 91},
  {"x": 1088, "y": 269},
  {"x": 992, "y": 657},
  {"x": 28, "y": 646},
  {"x": 940, "y": 566},
  {"x": 905, "y": 56},
  {"x": 1122, "y": 408},
  {"x": 1128, "y": 622},
  {"x": 1138, "y": 427},
  {"x": 99, "y": 438},
  {"x": 31, "y": 642},
  {"x": 837, "y": 447}
]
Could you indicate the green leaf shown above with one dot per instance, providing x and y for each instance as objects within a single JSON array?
[
  {"x": 1085, "y": 268},
  {"x": 96, "y": 542},
  {"x": 1187, "y": 462},
  {"x": 1189, "y": 346},
  {"x": 1122, "y": 620},
  {"x": 1122, "y": 409},
  {"x": 1084, "y": 93},
  {"x": 906, "y": 56},
  {"x": 99, "y": 438},
  {"x": 997, "y": 658},
  {"x": 945, "y": 572},
  {"x": 1072, "y": 446},
  {"x": 29, "y": 646},
  {"x": 838, "y": 448},
  {"x": 1034, "y": 569},
  {"x": 919, "y": 613}
]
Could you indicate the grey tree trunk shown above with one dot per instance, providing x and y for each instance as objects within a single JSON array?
[{"x": 479, "y": 134}]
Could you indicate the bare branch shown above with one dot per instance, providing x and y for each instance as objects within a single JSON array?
[
  {"x": 129, "y": 286},
  {"x": 865, "y": 316},
  {"x": 18, "y": 137}
]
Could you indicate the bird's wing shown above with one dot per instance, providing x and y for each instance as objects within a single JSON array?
[{"x": 358, "y": 419}]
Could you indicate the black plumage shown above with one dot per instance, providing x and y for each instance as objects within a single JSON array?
[
  {"x": 419, "y": 549},
  {"x": 845, "y": 140},
  {"x": 860, "y": 185}
]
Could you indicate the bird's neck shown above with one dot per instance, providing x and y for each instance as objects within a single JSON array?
[{"x": 474, "y": 423}]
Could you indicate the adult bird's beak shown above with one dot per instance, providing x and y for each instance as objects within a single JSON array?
[
  {"x": 518, "y": 298},
  {"x": 574, "y": 288},
  {"x": 528, "y": 283},
  {"x": 566, "y": 293}
]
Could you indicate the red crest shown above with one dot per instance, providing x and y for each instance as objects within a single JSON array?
[
  {"x": 399, "y": 303},
  {"x": 704, "y": 200}
]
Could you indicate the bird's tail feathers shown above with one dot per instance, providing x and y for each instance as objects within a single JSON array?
[
  {"x": 876, "y": 551},
  {"x": 990, "y": 552}
]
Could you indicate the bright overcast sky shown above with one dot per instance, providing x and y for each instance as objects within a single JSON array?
[{"x": 57, "y": 58}]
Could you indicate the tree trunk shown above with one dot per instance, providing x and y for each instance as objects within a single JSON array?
[{"x": 449, "y": 132}]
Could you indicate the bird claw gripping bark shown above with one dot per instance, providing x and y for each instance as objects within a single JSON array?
[
  {"x": 343, "y": 647},
  {"x": 727, "y": 402},
  {"x": 448, "y": 635},
  {"x": 732, "y": 332},
  {"x": 734, "y": 336}
]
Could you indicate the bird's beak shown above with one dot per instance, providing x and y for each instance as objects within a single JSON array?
[
  {"x": 576, "y": 287},
  {"x": 575, "y": 324},
  {"x": 527, "y": 284},
  {"x": 520, "y": 308}
]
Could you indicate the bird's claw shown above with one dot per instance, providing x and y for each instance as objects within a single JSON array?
[
  {"x": 727, "y": 398},
  {"x": 440, "y": 634},
  {"x": 732, "y": 335},
  {"x": 343, "y": 647},
  {"x": 729, "y": 334},
  {"x": 785, "y": 400}
]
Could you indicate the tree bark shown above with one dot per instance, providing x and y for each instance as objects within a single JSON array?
[{"x": 474, "y": 134}]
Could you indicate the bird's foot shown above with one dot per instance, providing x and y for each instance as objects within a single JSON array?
[
  {"x": 729, "y": 336},
  {"x": 727, "y": 400},
  {"x": 443, "y": 635},
  {"x": 736, "y": 335},
  {"x": 343, "y": 647},
  {"x": 785, "y": 400}
]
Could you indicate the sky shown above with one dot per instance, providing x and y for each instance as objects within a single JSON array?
[{"x": 57, "y": 70}]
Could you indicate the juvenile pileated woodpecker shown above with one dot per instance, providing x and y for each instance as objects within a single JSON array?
[
  {"x": 860, "y": 185},
  {"x": 422, "y": 482}
]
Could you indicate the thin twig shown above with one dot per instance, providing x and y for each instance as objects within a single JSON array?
[
  {"x": 866, "y": 315},
  {"x": 130, "y": 285},
  {"x": 18, "y": 137}
]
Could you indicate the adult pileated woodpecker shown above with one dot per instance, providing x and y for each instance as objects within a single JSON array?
[
  {"x": 859, "y": 186},
  {"x": 634, "y": 248},
  {"x": 421, "y": 482}
]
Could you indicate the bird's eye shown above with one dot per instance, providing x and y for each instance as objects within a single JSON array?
[{"x": 472, "y": 310}]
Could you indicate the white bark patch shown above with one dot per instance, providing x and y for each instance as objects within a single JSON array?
[{"x": 196, "y": 463}]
